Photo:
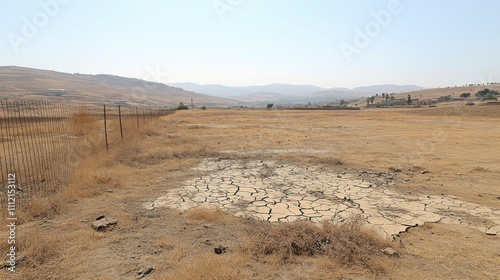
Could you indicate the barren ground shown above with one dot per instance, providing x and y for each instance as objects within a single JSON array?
[{"x": 457, "y": 147}]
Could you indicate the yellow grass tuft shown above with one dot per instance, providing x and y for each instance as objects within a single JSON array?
[
  {"x": 209, "y": 266},
  {"x": 38, "y": 248},
  {"x": 347, "y": 243},
  {"x": 82, "y": 123},
  {"x": 210, "y": 215}
]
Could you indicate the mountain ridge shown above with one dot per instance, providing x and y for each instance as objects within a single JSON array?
[{"x": 288, "y": 93}]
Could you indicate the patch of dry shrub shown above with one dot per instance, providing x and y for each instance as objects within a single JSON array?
[
  {"x": 203, "y": 214},
  {"x": 209, "y": 266},
  {"x": 347, "y": 243},
  {"x": 38, "y": 248}
]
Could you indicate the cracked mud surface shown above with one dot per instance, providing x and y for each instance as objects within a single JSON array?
[{"x": 278, "y": 192}]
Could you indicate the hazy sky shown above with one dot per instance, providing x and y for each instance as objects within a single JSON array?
[{"x": 326, "y": 43}]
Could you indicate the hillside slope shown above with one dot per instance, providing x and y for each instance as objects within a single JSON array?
[
  {"x": 28, "y": 83},
  {"x": 453, "y": 91}
]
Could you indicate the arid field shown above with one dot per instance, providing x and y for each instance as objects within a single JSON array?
[{"x": 450, "y": 153}]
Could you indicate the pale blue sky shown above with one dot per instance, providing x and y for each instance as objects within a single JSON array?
[{"x": 427, "y": 43}]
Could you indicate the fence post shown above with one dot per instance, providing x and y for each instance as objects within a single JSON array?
[
  {"x": 105, "y": 129},
  {"x": 120, "y": 117},
  {"x": 137, "y": 116}
]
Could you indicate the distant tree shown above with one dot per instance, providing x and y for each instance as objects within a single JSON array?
[
  {"x": 409, "y": 100},
  {"x": 465, "y": 95},
  {"x": 490, "y": 97},
  {"x": 203, "y": 107},
  {"x": 343, "y": 102},
  {"x": 485, "y": 92},
  {"x": 182, "y": 106},
  {"x": 270, "y": 105},
  {"x": 367, "y": 101},
  {"x": 372, "y": 99}
]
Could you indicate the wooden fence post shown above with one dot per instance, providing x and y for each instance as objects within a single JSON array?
[
  {"x": 120, "y": 117},
  {"x": 105, "y": 129}
]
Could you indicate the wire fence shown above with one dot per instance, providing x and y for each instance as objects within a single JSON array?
[{"x": 43, "y": 142}]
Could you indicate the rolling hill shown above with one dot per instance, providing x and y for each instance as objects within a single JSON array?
[
  {"x": 28, "y": 83},
  {"x": 291, "y": 94},
  {"x": 453, "y": 91}
]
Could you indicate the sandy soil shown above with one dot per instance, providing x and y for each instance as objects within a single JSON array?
[{"x": 458, "y": 147}]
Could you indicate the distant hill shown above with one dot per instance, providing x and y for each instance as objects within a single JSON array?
[
  {"x": 229, "y": 91},
  {"x": 28, "y": 83},
  {"x": 262, "y": 97},
  {"x": 448, "y": 91},
  {"x": 291, "y": 94}
]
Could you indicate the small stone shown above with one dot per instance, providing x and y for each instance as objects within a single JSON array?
[
  {"x": 390, "y": 252},
  {"x": 110, "y": 190},
  {"x": 99, "y": 217},
  {"x": 491, "y": 232},
  {"x": 104, "y": 224},
  {"x": 145, "y": 271},
  {"x": 219, "y": 249},
  {"x": 424, "y": 172}
]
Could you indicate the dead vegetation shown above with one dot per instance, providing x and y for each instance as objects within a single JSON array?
[
  {"x": 347, "y": 244},
  {"x": 209, "y": 215},
  {"x": 38, "y": 251},
  {"x": 210, "y": 267}
]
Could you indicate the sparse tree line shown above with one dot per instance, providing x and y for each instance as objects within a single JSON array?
[
  {"x": 474, "y": 85},
  {"x": 488, "y": 94},
  {"x": 385, "y": 96},
  {"x": 485, "y": 94}
]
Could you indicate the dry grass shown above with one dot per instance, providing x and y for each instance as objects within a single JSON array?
[
  {"x": 210, "y": 267},
  {"x": 347, "y": 244},
  {"x": 39, "y": 249},
  {"x": 43, "y": 206},
  {"x": 83, "y": 123},
  {"x": 209, "y": 215}
]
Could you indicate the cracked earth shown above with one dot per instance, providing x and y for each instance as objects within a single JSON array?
[{"x": 279, "y": 192}]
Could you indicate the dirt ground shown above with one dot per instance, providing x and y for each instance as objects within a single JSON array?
[{"x": 458, "y": 147}]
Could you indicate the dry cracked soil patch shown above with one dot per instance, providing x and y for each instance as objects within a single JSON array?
[{"x": 278, "y": 192}]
